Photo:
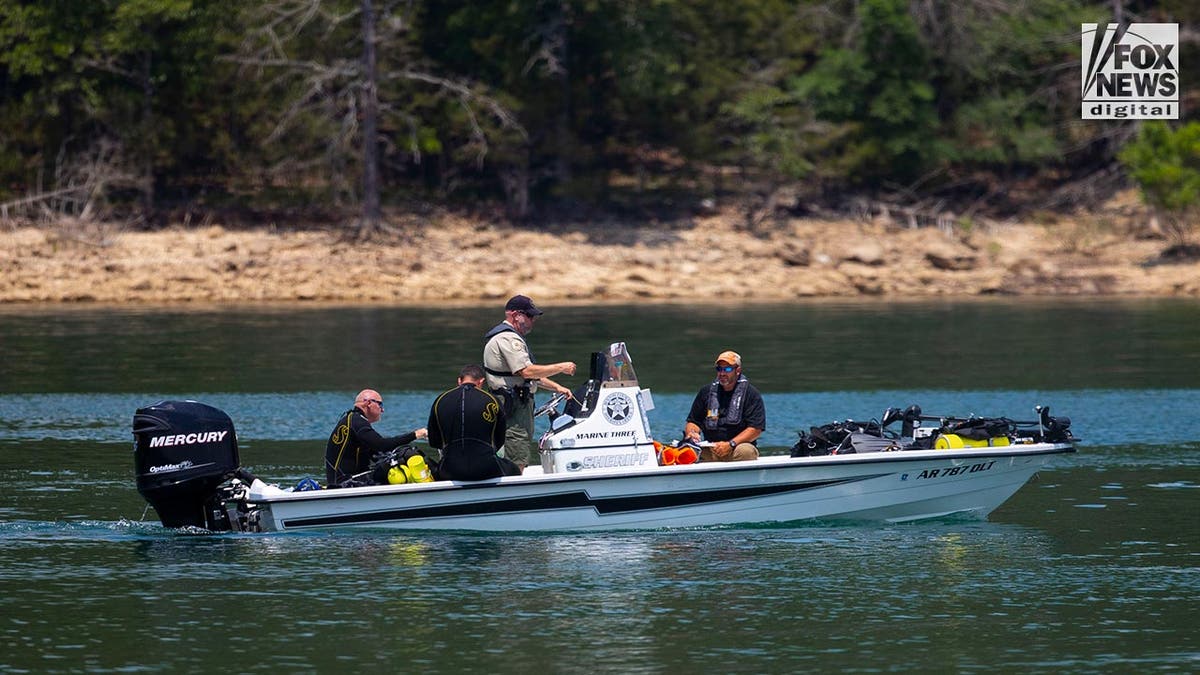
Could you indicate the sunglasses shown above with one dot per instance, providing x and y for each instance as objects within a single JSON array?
[
  {"x": 726, "y": 369},
  {"x": 375, "y": 401}
]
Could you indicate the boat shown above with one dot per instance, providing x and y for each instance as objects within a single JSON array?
[{"x": 602, "y": 469}]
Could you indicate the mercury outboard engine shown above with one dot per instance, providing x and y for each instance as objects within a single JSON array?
[{"x": 183, "y": 451}]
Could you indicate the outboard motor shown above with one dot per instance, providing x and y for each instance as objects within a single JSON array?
[
  {"x": 183, "y": 451},
  {"x": 912, "y": 420},
  {"x": 1053, "y": 429}
]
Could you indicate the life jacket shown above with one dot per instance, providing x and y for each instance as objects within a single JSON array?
[
  {"x": 733, "y": 414},
  {"x": 503, "y": 327}
]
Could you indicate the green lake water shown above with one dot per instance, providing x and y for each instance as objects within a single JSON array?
[{"x": 1093, "y": 567}]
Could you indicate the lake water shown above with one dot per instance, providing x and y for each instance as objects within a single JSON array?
[{"x": 1094, "y": 567}]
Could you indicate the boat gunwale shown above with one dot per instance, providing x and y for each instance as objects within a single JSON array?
[{"x": 771, "y": 462}]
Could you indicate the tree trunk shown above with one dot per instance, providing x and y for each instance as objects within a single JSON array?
[
  {"x": 559, "y": 38},
  {"x": 515, "y": 179},
  {"x": 147, "y": 142},
  {"x": 372, "y": 214}
]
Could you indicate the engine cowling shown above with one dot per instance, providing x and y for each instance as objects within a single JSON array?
[{"x": 183, "y": 452}]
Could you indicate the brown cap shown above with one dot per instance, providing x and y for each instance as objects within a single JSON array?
[
  {"x": 730, "y": 358},
  {"x": 522, "y": 303}
]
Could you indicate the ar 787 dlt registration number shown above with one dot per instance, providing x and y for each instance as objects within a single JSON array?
[{"x": 955, "y": 470}]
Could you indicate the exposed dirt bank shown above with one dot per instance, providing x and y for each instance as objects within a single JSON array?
[{"x": 450, "y": 259}]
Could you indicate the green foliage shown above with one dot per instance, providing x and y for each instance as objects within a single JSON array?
[
  {"x": 142, "y": 75},
  {"x": 1001, "y": 81},
  {"x": 761, "y": 121},
  {"x": 1001, "y": 131},
  {"x": 1166, "y": 166},
  {"x": 856, "y": 94},
  {"x": 879, "y": 90},
  {"x": 774, "y": 135}
]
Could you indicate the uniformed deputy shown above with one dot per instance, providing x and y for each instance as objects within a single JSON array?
[
  {"x": 467, "y": 425},
  {"x": 514, "y": 377},
  {"x": 354, "y": 443}
]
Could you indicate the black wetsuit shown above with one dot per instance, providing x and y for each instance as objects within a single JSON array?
[
  {"x": 468, "y": 426},
  {"x": 353, "y": 444}
]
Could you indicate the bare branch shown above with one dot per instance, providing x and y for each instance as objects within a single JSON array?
[
  {"x": 83, "y": 182},
  {"x": 341, "y": 69},
  {"x": 501, "y": 113}
]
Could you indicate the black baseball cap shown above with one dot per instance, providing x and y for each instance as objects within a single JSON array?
[{"x": 522, "y": 303}]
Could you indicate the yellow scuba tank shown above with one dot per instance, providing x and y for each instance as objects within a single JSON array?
[
  {"x": 396, "y": 470},
  {"x": 953, "y": 441},
  {"x": 396, "y": 475},
  {"x": 417, "y": 470}
]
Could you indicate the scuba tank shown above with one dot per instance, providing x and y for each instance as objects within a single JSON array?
[
  {"x": 400, "y": 466},
  {"x": 417, "y": 470}
]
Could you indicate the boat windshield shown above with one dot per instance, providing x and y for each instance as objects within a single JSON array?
[
  {"x": 620, "y": 366},
  {"x": 611, "y": 367}
]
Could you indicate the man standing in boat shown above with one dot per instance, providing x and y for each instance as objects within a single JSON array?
[
  {"x": 354, "y": 443},
  {"x": 467, "y": 425},
  {"x": 729, "y": 413},
  {"x": 513, "y": 376}
]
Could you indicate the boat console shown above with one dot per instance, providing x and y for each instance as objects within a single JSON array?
[{"x": 606, "y": 426}]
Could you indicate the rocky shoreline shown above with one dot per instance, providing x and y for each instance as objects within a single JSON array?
[{"x": 451, "y": 259}]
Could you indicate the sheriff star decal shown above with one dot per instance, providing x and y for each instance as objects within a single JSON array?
[{"x": 618, "y": 408}]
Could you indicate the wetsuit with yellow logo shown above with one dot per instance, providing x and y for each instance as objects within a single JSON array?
[
  {"x": 352, "y": 446},
  {"x": 468, "y": 426}
]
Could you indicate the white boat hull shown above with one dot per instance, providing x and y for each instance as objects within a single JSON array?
[{"x": 885, "y": 486}]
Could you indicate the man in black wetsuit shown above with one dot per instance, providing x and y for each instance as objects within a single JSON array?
[
  {"x": 466, "y": 423},
  {"x": 354, "y": 443}
]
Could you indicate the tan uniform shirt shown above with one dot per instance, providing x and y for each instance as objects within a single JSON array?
[{"x": 508, "y": 352}]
